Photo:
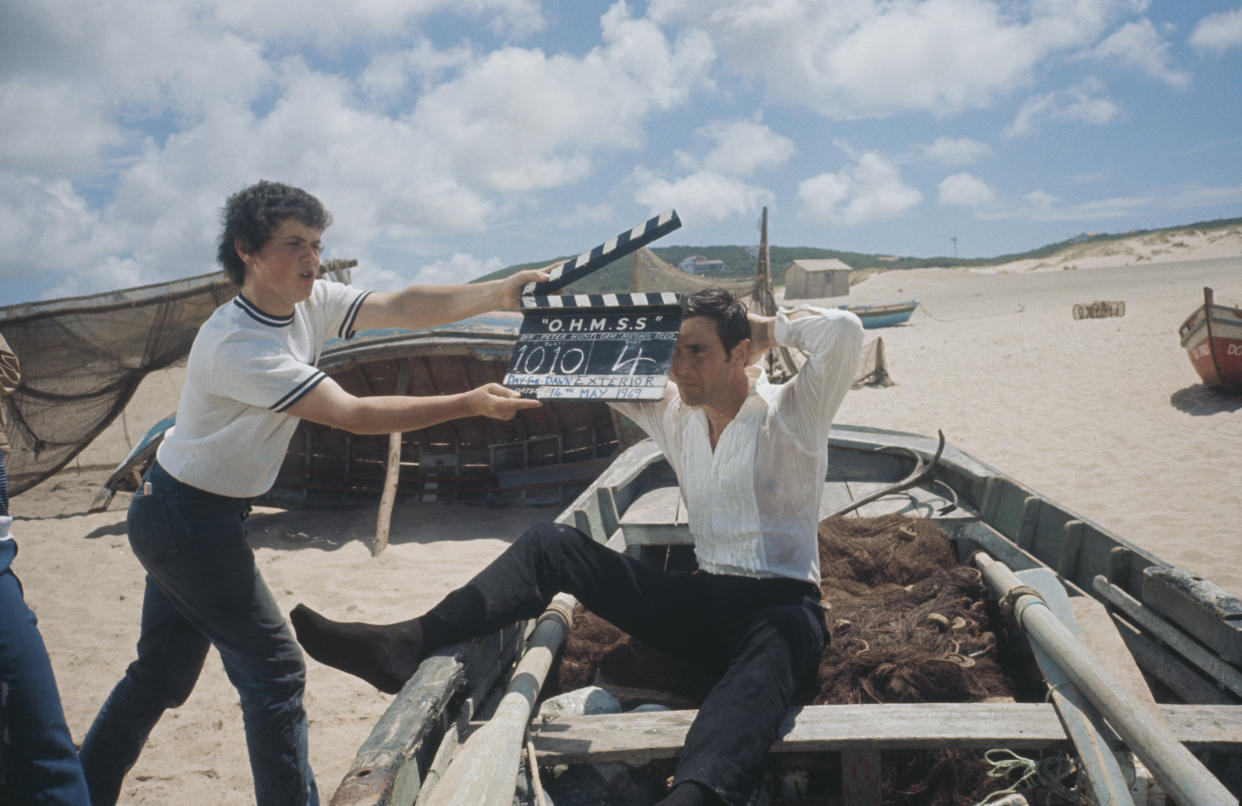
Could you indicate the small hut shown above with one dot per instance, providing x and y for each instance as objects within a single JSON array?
[{"x": 810, "y": 279}]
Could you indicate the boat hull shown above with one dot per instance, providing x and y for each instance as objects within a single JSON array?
[
  {"x": 634, "y": 505},
  {"x": 1212, "y": 338},
  {"x": 873, "y": 316}
]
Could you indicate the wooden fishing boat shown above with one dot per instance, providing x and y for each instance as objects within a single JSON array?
[
  {"x": 542, "y": 456},
  {"x": 1108, "y": 622},
  {"x": 1212, "y": 337},
  {"x": 874, "y": 316}
]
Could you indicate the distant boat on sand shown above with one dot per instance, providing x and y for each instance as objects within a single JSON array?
[
  {"x": 874, "y": 316},
  {"x": 1212, "y": 336}
]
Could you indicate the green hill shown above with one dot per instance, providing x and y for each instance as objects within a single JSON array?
[{"x": 740, "y": 260}]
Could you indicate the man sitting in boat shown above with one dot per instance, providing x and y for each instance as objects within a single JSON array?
[{"x": 751, "y": 458}]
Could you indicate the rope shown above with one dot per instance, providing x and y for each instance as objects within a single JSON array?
[
  {"x": 1046, "y": 773},
  {"x": 1007, "y": 601}
]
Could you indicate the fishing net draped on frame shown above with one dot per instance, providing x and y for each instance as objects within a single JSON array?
[{"x": 83, "y": 357}]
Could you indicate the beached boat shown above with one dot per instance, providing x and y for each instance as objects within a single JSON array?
[
  {"x": 874, "y": 316},
  {"x": 1108, "y": 622},
  {"x": 543, "y": 455},
  {"x": 1212, "y": 337}
]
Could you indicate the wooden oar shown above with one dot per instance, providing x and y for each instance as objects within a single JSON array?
[{"x": 484, "y": 771}]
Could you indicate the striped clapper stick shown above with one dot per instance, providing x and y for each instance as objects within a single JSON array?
[
  {"x": 595, "y": 346},
  {"x": 582, "y": 265}
]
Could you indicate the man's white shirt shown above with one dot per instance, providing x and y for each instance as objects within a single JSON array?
[{"x": 754, "y": 502}]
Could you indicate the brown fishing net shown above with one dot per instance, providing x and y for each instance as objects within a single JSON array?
[{"x": 908, "y": 624}]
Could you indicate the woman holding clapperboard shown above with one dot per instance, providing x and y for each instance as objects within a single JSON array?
[{"x": 250, "y": 377}]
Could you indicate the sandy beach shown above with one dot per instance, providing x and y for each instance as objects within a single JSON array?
[{"x": 1104, "y": 416}]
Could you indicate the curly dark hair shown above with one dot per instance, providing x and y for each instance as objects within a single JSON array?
[
  {"x": 250, "y": 216},
  {"x": 720, "y": 305}
]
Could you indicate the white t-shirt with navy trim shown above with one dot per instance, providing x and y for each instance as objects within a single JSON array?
[{"x": 246, "y": 368}]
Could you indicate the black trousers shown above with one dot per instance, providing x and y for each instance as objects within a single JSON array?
[{"x": 767, "y": 635}]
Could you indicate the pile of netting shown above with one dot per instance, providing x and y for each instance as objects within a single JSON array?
[{"x": 908, "y": 624}]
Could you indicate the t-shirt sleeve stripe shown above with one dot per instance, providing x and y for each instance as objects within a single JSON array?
[
  {"x": 347, "y": 323},
  {"x": 299, "y": 391}
]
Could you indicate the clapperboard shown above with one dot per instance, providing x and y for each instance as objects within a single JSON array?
[{"x": 596, "y": 346}]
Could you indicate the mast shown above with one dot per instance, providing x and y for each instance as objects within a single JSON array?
[{"x": 778, "y": 362}]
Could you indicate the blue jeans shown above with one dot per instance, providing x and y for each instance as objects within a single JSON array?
[
  {"x": 40, "y": 764},
  {"x": 203, "y": 589}
]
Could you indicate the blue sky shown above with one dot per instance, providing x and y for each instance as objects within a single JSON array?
[{"x": 450, "y": 139}]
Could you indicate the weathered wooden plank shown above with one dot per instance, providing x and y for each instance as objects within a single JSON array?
[
  {"x": 836, "y": 728},
  {"x": 1100, "y": 632},
  {"x": 836, "y": 496},
  {"x": 659, "y": 506},
  {"x": 860, "y": 777},
  {"x": 656, "y": 518},
  {"x": 1164, "y": 665}
]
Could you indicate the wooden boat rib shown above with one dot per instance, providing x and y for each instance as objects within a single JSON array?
[
  {"x": 1194, "y": 664},
  {"x": 1212, "y": 337}
]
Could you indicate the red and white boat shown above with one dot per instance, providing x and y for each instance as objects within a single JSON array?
[{"x": 1212, "y": 335}]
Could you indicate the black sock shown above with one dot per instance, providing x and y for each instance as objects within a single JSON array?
[
  {"x": 384, "y": 655},
  {"x": 690, "y": 793}
]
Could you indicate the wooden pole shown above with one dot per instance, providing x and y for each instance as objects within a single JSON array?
[
  {"x": 389, "y": 496},
  {"x": 484, "y": 770},
  {"x": 1175, "y": 768}
]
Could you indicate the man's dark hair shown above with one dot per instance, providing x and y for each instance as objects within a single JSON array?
[
  {"x": 728, "y": 312},
  {"x": 250, "y": 215}
]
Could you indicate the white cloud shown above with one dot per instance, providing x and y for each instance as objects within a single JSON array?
[
  {"x": 1138, "y": 45},
  {"x": 871, "y": 58},
  {"x": 459, "y": 268},
  {"x": 503, "y": 124},
  {"x": 1039, "y": 205},
  {"x": 965, "y": 190},
  {"x": 47, "y": 228},
  {"x": 871, "y": 190},
  {"x": 1080, "y": 103},
  {"x": 700, "y": 197},
  {"x": 956, "y": 151},
  {"x": 1218, "y": 32},
  {"x": 744, "y": 146},
  {"x": 112, "y": 273},
  {"x": 55, "y": 128},
  {"x": 390, "y": 72},
  {"x": 518, "y": 120}
]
